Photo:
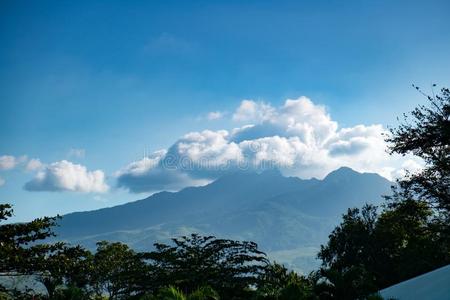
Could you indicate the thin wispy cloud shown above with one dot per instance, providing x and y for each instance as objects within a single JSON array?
[
  {"x": 215, "y": 115},
  {"x": 77, "y": 153}
]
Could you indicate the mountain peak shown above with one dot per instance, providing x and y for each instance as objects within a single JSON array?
[
  {"x": 341, "y": 172},
  {"x": 346, "y": 173}
]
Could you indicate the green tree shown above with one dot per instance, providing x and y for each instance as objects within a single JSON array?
[
  {"x": 170, "y": 293},
  {"x": 70, "y": 293},
  {"x": 229, "y": 267},
  {"x": 406, "y": 243},
  {"x": 60, "y": 264},
  {"x": 173, "y": 293},
  {"x": 204, "y": 293},
  {"x": 17, "y": 251},
  {"x": 23, "y": 252},
  {"x": 425, "y": 133},
  {"x": 117, "y": 270},
  {"x": 347, "y": 258},
  {"x": 277, "y": 282},
  {"x": 370, "y": 250}
]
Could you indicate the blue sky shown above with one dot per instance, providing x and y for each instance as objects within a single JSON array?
[{"x": 117, "y": 78}]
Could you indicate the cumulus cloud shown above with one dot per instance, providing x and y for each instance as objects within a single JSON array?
[
  {"x": 352, "y": 141},
  {"x": 34, "y": 164},
  {"x": 299, "y": 138},
  {"x": 67, "y": 176},
  {"x": 251, "y": 111},
  {"x": 8, "y": 162},
  {"x": 151, "y": 174}
]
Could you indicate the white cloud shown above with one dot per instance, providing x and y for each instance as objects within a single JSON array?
[
  {"x": 67, "y": 176},
  {"x": 251, "y": 111},
  {"x": 78, "y": 153},
  {"x": 152, "y": 174},
  {"x": 215, "y": 115},
  {"x": 297, "y": 117},
  {"x": 299, "y": 138},
  {"x": 411, "y": 165},
  {"x": 144, "y": 165},
  {"x": 8, "y": 162},
  {"x": 2, "y": 181},
  {"x": 34, "y": 164},
  {"x": 206, "y": 147}
]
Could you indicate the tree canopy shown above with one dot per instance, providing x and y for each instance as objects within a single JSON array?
[
  {"x": 374, "y": 248},
  {"x": 425, "y": 133}
]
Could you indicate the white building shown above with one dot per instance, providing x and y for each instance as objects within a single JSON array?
[{"x": 434, "y": 285}]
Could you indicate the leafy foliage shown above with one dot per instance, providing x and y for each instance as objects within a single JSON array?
[
  {"x": 371, "y": 250},
  {"x": 173, "y": 293},
  {"x": 368, "y": 252},
  {"x": 229, "y": 267},
  {"x": 425, "y": 132},
  {"x": 277, "y": 282},
  {"x": 115, "y": 270},
  {"x": 16, "y": 250},
  {"x": 52, "y": 264}
]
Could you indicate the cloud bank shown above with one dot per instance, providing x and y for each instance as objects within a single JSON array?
[
  {"x": 299, "y": 138},
  {"x": 67, "y": 176}
]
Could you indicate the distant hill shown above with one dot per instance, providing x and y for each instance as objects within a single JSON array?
[{"x": 288, "y": 217}]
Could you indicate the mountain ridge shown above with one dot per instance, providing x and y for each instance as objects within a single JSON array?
[{"x": 279, "y": 213}]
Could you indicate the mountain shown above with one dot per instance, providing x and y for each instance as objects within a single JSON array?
[{"x": 288, "y": 217}]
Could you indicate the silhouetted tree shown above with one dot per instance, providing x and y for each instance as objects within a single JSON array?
[
  {"x": 116, "y": 270},
  {"x": 60, "y": 264},
  {"x": 371, "y": 250},
  {"x": 229, "y": 267},
  {"x": 425, "y": 132},
  {"x": 347, "y": 258},
  {"x": 173, "y": 293},
  {"x": 17, "y": 251},
  {"x": 23, "y": 252},
  {"x": 279, "y": 283}
]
